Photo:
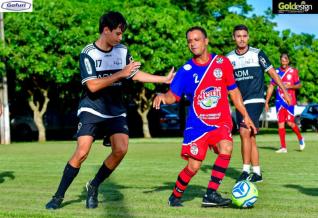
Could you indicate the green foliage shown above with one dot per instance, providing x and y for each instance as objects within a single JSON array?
[{"x": 44, "y": 45}]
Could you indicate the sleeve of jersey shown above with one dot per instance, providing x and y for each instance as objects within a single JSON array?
[
  {"x": 264, "y": 61},
  {"x": 228, "y": 74},
  {"x": 177, "y": 85},
  {"x": 296, "y": 79},
  {"x": 87, "y": 68}
]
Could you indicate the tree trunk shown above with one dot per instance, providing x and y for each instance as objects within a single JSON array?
[
  {"x": 38, "y": 113},
  {"x": 144, "y": 106}
]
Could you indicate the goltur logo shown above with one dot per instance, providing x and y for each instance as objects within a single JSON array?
[{"x": 16, "y": 5}]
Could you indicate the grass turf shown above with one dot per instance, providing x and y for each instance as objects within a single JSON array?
[{"x": 140, "y": 187}]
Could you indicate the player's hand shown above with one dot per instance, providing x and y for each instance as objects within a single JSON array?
[
  {"x": 266, "y": 107},
  {"x": 130, "y": 69},
  {"x": 170, "y": 76},
  {"x": 249, "y": 123},
  {"x": 158, "y": 100},
  {"x": 287, "y": 98}
]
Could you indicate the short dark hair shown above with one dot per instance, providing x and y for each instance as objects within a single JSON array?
[
  {"x": 197, "y": 28},
  {"x": 112, "y": 20},
  {"x": 240, "y": 27},
  {"x": 284, "y": 55}
]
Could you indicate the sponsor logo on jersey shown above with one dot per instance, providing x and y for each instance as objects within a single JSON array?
[
  {"x": 118, "y": 61},
  {"x": 219, "y": 60},
  {"x": 209, "y": 97},
  {"x": 217, "y": 73},
  {"x": 233, "y": 63},
  {"x": 263, "y": 61},
  {"x": 194, "y": 149},
  {"x": 88, "y": 66},
  {"x": 187, "y": 67},
  {"x": 289, "y": 77}
]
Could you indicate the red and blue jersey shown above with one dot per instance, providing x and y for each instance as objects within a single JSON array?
[
  {"x": 206, "y": 86},
  {"x": 288, "y": 76}
]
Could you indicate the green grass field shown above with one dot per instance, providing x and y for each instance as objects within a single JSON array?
[{"x": 30, "y": 173}]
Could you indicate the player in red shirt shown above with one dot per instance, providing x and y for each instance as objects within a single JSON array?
[
  {"x": 205, "y": 80},
  {"x": 285, "y": 112}
]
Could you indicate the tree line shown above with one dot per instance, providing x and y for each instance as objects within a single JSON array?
[{"x": 42, "y": 47}]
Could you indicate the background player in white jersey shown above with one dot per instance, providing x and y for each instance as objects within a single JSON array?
[
  {"x": 106, "y": 67},
  {"x": 285, "y": 113},
  {"x": 249, "y": 64},
  {"x": 206, "y": 80}
]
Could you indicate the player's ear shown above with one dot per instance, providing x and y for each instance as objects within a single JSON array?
[
  {"x": 206, "y": 41},
  {"x": 106, "y": 30}
]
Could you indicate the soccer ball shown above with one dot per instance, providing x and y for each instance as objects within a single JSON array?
[{"x": 244, "y": 194}]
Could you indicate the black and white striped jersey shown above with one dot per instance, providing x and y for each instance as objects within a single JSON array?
[
  {"x": 108, "y": 102},
  {"x": 249, "y": 73}
]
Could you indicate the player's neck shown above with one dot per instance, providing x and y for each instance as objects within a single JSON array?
[
  {"x": 103, "y": 45},
  {"x": 241, "y": 50},
  {"x": 202, "y": 59}
]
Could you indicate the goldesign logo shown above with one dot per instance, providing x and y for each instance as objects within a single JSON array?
[
  {"x": 16, "y": 6},
  {"x": 295, "y": 7}
]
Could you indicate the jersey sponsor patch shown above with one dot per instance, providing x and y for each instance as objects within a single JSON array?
[
  {"x": 217, "y": 72},
  {"x": 187, "y": 67},
  {"x": 194, "y": 149},
  {"x": 209, "y": 97},
  {"x": 88, "y": 66}
]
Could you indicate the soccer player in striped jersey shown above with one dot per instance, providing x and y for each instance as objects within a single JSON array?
[
  {"x": 106, "y": 67},
  {"x": 285, "y": 112},
  {"x": 206, "y": 80},
  {"x": 249, "y": 66}
]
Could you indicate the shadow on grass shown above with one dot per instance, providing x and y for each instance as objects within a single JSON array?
[
  {"x": 113, "y": 202},
  {"x": 6, "y": 174},
  {"x": 268, "y": 148},
  {"x": 192, "y": 191},
  {"x": 306, "y": 191}
]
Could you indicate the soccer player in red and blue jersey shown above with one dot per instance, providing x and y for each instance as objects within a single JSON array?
[
  {"x": 205, "y": 80},
  {"x": 285, "y": 112}
]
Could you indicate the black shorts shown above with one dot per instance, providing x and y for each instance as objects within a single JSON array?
[
  {"x": 107, "y": 127},
  {"x": 254, "y": 110}
]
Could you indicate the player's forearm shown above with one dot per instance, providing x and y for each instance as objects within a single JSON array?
[
  {"x": 237, "y": 100},
  {"x": 149, "y": 78},
  {"x": 269, "y": 93},
  {"x": 277, "y": 79},
  {"x": 95, "y": 85}
]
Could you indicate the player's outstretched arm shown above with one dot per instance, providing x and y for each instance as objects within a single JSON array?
[
  {"x": 146, "y": 77},
  {"x": 164, "y": 98},
  {"x": 97, "y": 84},
  {"x": 237, "y": 100},
  {"x": 269, "y": 93},
  {"x": 279, "y": 82}
]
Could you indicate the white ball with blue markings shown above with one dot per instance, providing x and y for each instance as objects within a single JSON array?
[{"x": 244, "y": 194}]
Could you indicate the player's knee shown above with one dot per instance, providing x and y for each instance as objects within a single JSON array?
[
  {"x": 81, "y": 156},
  {"x": 291, "y": 124},
  {"x": 245, "y": 132},
  {"x": 120, "y": 151}
]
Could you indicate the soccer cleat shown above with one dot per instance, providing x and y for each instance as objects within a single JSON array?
[
  {"x": 92, "y": 194},
  {"x": 302, "y": 144},
  {"x": 54, "y": 203},
  {"x": 243, "y": 176},
  {"x": 174, "y": 202},
  {"x": 281, "y": 150},
  {"x": 255, "y": 178},
  {"x": 106, "y": 141},
  {"x": 214, "y": 199}
]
